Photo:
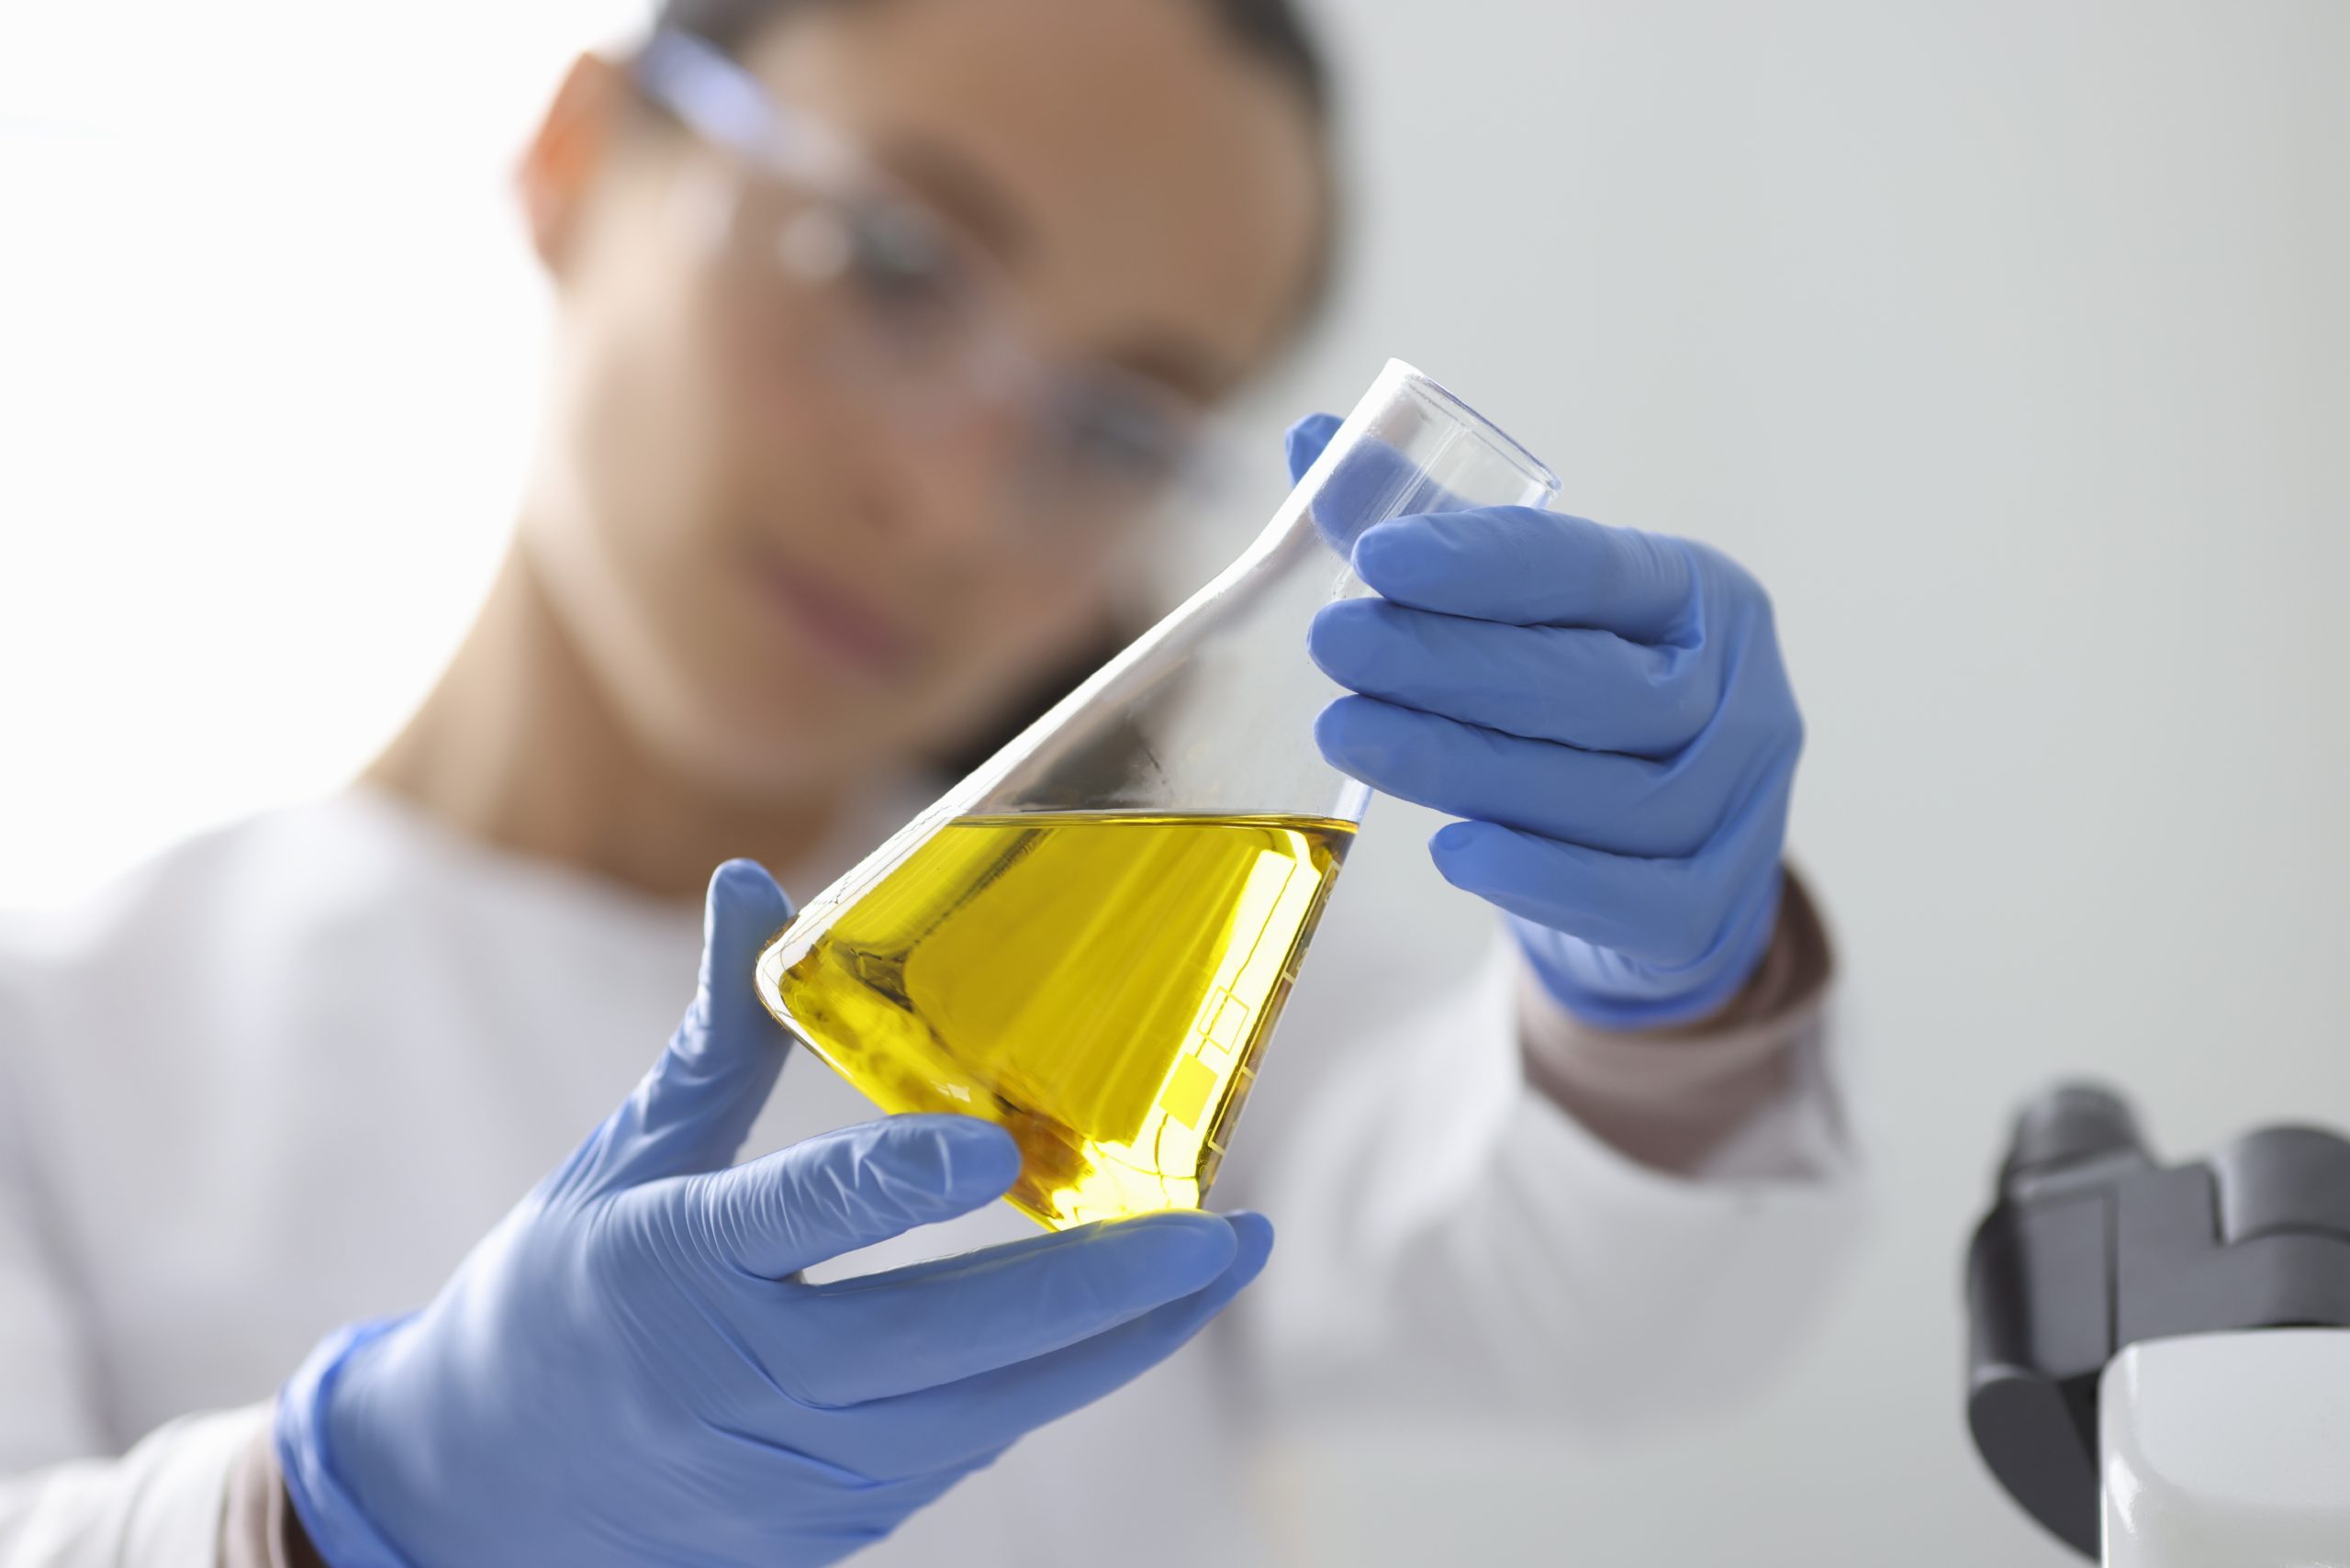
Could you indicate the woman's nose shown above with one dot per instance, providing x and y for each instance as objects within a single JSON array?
[{"x": 959, "y": 476}]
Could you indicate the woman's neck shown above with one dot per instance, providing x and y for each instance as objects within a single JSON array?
[{"x": 517, "y": 746}]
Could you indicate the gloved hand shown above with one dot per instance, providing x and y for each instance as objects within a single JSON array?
[
  {"x": 630, "y": 1370},
  {"x": 1607, "y": 710}
]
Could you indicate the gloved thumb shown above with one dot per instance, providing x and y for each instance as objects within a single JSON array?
[
  {"x": 692, "y": 1112},
  {"x": 1372, "y": 482},
  {"x": 1306, "y": 440}
]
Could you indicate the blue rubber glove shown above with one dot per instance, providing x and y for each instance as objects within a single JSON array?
[
  {"x": 629, "y": 1369},
  {"x": 1608, "y": 711}
]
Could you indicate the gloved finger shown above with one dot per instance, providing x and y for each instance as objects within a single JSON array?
[
  {"x": 1591, "y": 690},
  {"x": 1306, "y": 441},
  {"x": 1669, "y": 913},
  {"x": 1615, "y": 990},
  {"x": 1529, "y": 567},
  {"x": 844, "y": 1190},
  {"x": 891, "y": 1334},
  {"x": 962, "y": 1422},
  {"x": 691, "y": 1113},
  {"x": 1624, "y": 805},
  {"x": 1370, "y": 482}
]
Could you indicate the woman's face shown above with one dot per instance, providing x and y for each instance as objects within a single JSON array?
[{"x": 780, "y": 579}]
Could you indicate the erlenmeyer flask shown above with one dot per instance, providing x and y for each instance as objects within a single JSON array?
[{"x": 1089, "y": 939}]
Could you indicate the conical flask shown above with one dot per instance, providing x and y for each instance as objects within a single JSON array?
[{"x": 1089, "y": 938}]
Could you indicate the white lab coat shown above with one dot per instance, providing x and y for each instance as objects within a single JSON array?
[{"x": 286, "y": 1075}]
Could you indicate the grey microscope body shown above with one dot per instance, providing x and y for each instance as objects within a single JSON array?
[{"x": 2142, "y": 1377}]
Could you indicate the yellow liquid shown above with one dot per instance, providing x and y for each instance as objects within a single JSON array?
[{"x": 1101, "y": 984}]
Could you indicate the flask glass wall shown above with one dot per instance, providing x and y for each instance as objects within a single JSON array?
[{"x": 1089, "y": 938}]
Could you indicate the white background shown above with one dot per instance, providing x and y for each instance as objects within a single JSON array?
[{"x": 2006, "y": 340}]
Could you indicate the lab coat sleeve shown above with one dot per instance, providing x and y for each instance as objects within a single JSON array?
[
  {"x": 160, "y": 1505},
  {"x": 1453, "y": 1241},
  {"x": 49, "y": 1411},
  {"x": 157, "y": 1507}
]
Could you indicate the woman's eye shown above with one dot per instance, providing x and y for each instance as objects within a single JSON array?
[
  {"x": 1128, "y": 444},
  {"x": 899, "y": 267}
]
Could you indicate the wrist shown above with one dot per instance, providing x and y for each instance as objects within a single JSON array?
[
  {"x": 1670, "y": 1098},
  {"x": 314, "y": 1448}
]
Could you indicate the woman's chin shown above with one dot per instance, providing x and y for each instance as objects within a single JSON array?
[{"x": 789, "y": 744}]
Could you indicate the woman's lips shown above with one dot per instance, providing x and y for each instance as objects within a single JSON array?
[{"x": 859, "y": 638}]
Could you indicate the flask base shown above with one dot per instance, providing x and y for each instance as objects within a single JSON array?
[{"x": 1101, "y": 984}]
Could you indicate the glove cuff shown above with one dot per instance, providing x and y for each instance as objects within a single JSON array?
[
  {"x": 339, "y": 1532},
  {"x": 1608, "y": 991}
]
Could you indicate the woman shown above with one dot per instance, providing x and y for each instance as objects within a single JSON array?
[{"x": 878, "y": 324}]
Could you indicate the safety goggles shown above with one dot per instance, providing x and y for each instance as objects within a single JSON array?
[{"x": 907, "y": 311}]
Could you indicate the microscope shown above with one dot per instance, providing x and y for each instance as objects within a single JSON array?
[{"x": 2158, "y": 1365}]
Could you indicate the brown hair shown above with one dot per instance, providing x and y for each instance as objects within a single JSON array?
[{"x": 1273, "y": 30}]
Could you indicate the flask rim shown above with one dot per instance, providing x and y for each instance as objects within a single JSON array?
[{"x": 1408, "y": 378}]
